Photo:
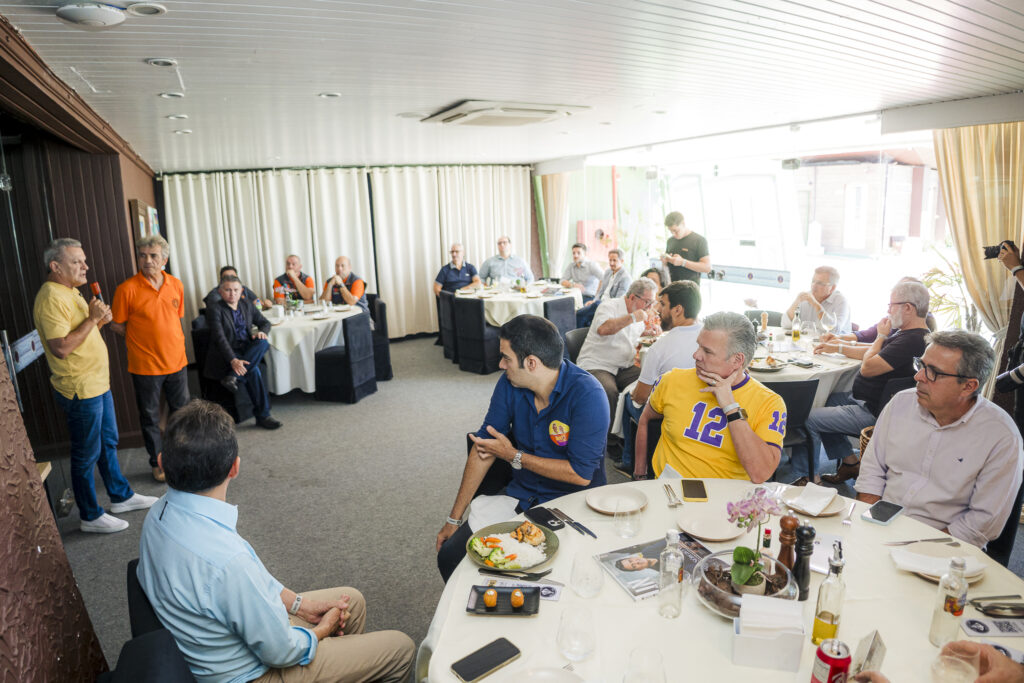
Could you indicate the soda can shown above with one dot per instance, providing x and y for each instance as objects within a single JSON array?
[{"x": 832, "y": 663}]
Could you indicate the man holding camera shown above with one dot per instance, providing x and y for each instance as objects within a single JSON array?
[{"x": 1013, "y": 378}]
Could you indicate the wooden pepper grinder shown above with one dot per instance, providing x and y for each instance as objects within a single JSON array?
[
  {"x": 787, "y": 539},
  {"x": 802, "y": 567}
]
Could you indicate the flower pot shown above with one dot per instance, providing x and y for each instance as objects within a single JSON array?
[
  {"x": 758, "y": 588},
  {"x": 713, "y": 583}
]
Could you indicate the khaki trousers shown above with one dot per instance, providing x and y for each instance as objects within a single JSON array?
[{"x": 356, "y": 656}]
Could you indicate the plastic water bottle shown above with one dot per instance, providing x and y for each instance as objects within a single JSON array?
[
  {"x": 670, "y": 588},
  {"x": 949, "y": 604}
]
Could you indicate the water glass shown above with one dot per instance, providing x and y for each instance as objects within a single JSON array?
[
  {"x": 645, "y": 666},
  {"x": 587, "y": 575},
  {"x": 951, "y": 669},
  {"x": 627, "y": 519},
  {"x": 576, "y": 637}
]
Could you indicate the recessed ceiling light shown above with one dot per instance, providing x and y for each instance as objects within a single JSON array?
[
  {"x": 176, "y": 116},
  {"x": 660, "y": 111},
  {"x": 162, "y": 61},
  {"x": 172, "y": 95},
  {"x": 145, "y": 9},
  {"x": 329, "y": 95},
  {"x": 605, "y": 123},
  {"x": 183, "y": 131},
  {"x": 412, "y": 115}
]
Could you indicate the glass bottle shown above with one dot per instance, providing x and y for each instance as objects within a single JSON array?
[
  {"x": 949, "y": 604},
  {"x": 771, "y": 343},
  {"x": 796, "y": 325},
  {"x": 830, "y": 598},
  {"x": 670, "y": 585}
]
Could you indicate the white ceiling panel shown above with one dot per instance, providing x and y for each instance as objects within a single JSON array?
[{"x": 648, "y": 71}]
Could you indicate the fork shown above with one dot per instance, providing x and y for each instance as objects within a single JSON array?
[
  {"x": 944, "y": 539},
  {"x": 568, "y": 667},
  {"x": 671, "y": 495},
  {"x": 849, "y": 514}
]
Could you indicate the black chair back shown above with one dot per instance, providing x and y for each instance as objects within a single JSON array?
[
  {"x": 141, "y": 615},
  {"x": 562, "y": 312},
  {"x": 446, "y": 323},
  {"x": 574, "y": 341},
  {"x": 238, "y": 404},
  {"x": 478, "y": 342},
  {"x": 152, "y": 657},
  {"x": 799, "y": 399},
  {"x": 893, "y": 387},
  {"x": 348, "y": 373},
  {"x": 774, "y": 317},
  {"x": 1001, "y": 547},
  {"x": 381, "y": 341}
]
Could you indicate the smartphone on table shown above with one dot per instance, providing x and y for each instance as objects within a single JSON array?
[
  {"x": 486, "y": 660},
  {"x": 882, "y": 512},
  {"x": 694, "y": 491},
  {"x": 544, "y": 517}
]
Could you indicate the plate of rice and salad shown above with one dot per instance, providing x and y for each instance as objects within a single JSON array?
[{"x": 512, "y": 546}]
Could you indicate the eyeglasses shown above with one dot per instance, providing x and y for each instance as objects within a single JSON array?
[
  {"x": 931, "y": 374},
  {"x": 646, "y": 302},
  {"x": 819, "y": 283},
  {"x": 900, "y": 303}
]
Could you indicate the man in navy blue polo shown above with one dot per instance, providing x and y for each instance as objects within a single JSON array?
[
  {"x": 456, "y": 275},
  {"x": 557, "y": 417}
]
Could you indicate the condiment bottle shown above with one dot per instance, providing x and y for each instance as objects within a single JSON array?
[
  {"x": 802, "y": 565},
  {"x": 670, "y": 586},
  {"x": 949, "y": 604},
  {"x": 830, "y": 598},
  {"x": 764, "y": 321},
  {"x": 770, "y": 347},
  {"x": 766, "y": 542},
  {"x": 796, "y": 325},
  {"x": 787, "y": 539}
]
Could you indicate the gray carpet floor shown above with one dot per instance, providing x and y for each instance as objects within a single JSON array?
[{"x": 340, "y": 495}]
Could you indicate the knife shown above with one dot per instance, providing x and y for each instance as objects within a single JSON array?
[
  {"x": 943, "y": 539},
  {"x": 572, "y": 522},
  {"x": 538, "y": 577}
]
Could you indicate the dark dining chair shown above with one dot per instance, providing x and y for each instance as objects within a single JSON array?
[
  {"x": 141, "y": 615},
  {"x": 574, "y": 342},
  {"x": 799, "y": 399},
  {"x": 347, "y": 373},
  {"x": 561, "y": 312},
  {"x": 478, "y": 341},
  {"x": 381, "y": 342},
  {"x": 446, "y": 323},
  {"x": 238, "y": 404},
  {"x": 151, "y": 657},
  {"x": 774, "y": 317},
  {"x": 1001, "y": 547}
]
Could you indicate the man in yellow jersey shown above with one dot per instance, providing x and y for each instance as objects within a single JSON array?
[{"x": 719, "y": 422}]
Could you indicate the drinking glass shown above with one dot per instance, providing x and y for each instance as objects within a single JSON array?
[
  {"x": 828, "y": 321},
  {"x": 951, "y": 669},
  {"x": 627, "y": 519},
  {"x": 576, "y": 637},
  {"x": 587, "y": 576},
  {"x": 645, "y": 666},
  {"x": 965, "y": 651}
]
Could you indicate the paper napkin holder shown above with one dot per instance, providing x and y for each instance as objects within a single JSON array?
[{"x": 779, "y": 650}]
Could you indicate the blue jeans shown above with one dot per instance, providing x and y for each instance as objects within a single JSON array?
[
  {"x": 628, "y": 435},
  {"x": 93, "y": 428},
  {"x": 831, "y": 426},
  {"x": 585, "y": 315},
  {"x": 253, "y": 378}
]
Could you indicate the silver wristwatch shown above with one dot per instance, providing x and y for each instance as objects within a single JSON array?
[{"x": 517, "y": 461}]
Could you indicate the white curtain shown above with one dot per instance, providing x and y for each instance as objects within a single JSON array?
[
  {"x": 339, "y": 200},
  {"x": 405, "y": 218},
  {"x": 555, "y": 188}
]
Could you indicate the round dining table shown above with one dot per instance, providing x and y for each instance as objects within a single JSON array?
[
  {"x": 697, "y": 646},
  {"x": 294, "y": 341},
  {"x": 500, "y": 307}
]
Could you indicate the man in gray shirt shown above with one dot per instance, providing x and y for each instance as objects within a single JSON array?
[
  {"x": 950, "y": 457},
  {"x": 504, "y": 265},
  {"x": 614, "y": 283},
  {"x": 582, "y": 273}
]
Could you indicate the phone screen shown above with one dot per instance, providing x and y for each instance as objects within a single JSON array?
[
  {"x": 486, "y": 660},
  {"x": 694, "y": 490},
  {"x": 539, "y": 515},
  {"x": 883, "y": 511}
]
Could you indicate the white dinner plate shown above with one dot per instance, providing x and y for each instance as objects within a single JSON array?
[
  {"x": 608, "y": 499},
  {"x": 320, "y": 316},
  {"x": 485, "y": 295},
  {"x": 341, "y": 308},
  {"x": 791, "y": 493},
  {"x": 708, "y": 524},
  {"x": 548, "y": 674},
  {"x": 275, "y": 323},
  {"x": 760, "y": 366},
  {"x": 534, "y": 295},
  {"x": 944, "y": 551}
]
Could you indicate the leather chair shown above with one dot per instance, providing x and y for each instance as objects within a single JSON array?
[
  {"x": 774, "y": 317},
  {"x": 799, "y": 399},
  {"x": 238, "y": 404},
  {"x": 446, "y": 323},
  {"x": 381, "y": 342},
  {"x": 347, "y": 373},
  {"x": 478, "y": 342},
  {"x": 153, "y": 657},
  {"x": 141, "y": 615},
  {"x": 562, "y": 312},
  {"x": 574, "y": 341},
  {"x": 1001, "y": 547}
]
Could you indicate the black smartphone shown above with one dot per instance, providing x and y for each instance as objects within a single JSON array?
[
  {"x": 545, "y": 517},
  {"x": 694, "y": 491},
  {"x": 486, "y": 660},
  {"x": 882, "y": 512}
]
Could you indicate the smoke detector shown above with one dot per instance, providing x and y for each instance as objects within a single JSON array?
[{"x": 90, "y": 16}]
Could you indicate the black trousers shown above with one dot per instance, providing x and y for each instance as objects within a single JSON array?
[{"x": 147, "y": 397}]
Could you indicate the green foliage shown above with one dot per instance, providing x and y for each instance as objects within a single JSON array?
[
  {"x": 949, "y": 297},
  {"x": 745, "y": 565}
]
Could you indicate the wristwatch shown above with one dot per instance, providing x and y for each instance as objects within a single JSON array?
[
  {"x": 517, "y": 461},
  {"x": 740, "y": 414}
]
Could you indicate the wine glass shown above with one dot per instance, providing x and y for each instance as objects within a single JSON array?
[
  {"x": 576, "y": 637},
  {"x": 587, "y": 575},
  {"x": 645, "y": 666},
  {"x": 627, "y": 519},
  {"x": 828, "y": 321},
  {"x": 951, "y": 669}
]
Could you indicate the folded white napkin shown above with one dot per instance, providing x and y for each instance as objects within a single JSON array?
[
  {"x": 669, "y": 473},
  {"x": 933, "y": 566},
  {"x": 761, "y": 613},
  {"x": 488, "y": 510},
  {"x": 814, "y": 499}
]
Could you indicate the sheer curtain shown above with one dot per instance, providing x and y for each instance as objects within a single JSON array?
[
  {"x": 409, "y": 254},
  {"x": 555, "y": 195}
]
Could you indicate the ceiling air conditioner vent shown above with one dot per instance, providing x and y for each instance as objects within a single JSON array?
[{"x": 489, "y": 113}]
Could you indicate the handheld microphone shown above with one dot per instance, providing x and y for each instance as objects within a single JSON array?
[{"x": 95, "y": 286}]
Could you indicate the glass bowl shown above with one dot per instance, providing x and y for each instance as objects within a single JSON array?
[{"x": 712, "y": 582}]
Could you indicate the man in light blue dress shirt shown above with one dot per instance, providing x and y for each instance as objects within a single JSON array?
[
  {"x": 228, "y": 615},
  {"x": 504, "y": 266}
]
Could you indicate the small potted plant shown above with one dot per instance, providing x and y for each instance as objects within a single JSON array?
[{"x": 756, "y": 507}]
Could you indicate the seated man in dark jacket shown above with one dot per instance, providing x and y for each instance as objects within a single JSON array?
[{"x": 238, "y": 342}]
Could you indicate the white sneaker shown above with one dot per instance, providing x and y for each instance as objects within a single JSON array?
[
  {"x": 136, "y": 502},
  {"x": 104, "y": 524}
]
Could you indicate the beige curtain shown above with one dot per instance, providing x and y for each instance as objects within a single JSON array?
[
  {"x": 981, "y": 169},
  {"x": 556, "y": 212}
]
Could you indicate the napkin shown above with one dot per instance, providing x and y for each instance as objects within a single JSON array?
[
  {"x": 669, "y": 473},
  {"x": 814, "y": 499},
  {"x": 488, "y": 510},
  {"x": 910, "y": 561},
  {"x": 764, "y": 614}
]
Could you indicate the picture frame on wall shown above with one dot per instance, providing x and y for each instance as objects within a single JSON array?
[
  {"x": 154, "y": 221},
  {"x": 144, "y": 217}
]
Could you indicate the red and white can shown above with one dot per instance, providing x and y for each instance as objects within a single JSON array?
[{"x": 832, "y": 664}]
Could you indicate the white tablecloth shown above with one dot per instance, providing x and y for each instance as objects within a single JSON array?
[
  {"x": 501, "y": 308},
  {"x": 698, "y": 645},
  {"x": 293, "y": 345}
]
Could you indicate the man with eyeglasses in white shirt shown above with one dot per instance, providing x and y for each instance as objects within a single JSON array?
[{"x": 949, "y": 456}]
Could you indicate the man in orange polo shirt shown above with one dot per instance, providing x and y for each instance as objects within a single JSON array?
[
  {"x": 345, "y": 287},
  {"x": 148, "y": 309},
  {"x": 293, "y": 282}
]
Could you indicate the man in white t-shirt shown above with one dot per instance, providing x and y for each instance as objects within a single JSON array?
[
  {"x": 679, "y": 305},
  {"x": 610, "y": 346}
]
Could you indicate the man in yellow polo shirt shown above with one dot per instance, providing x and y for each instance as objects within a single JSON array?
[
  {"x": 147, "y": 310},
  {"x": 719, "y": 422},
  {"x": 78, "y": 360}
]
